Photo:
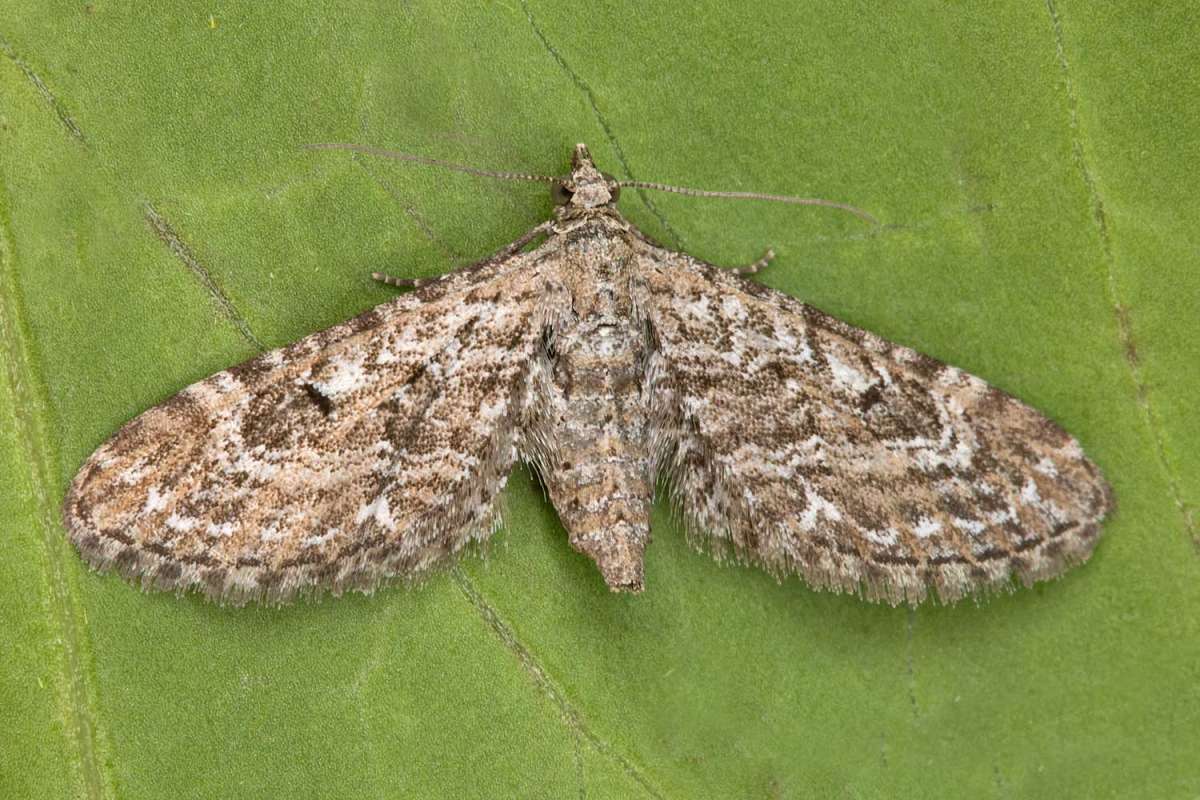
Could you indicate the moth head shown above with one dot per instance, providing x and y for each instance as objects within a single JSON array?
[{"x": 586, "y": 186}]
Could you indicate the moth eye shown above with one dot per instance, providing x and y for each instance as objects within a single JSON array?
[{"x": 561, "y": 194}]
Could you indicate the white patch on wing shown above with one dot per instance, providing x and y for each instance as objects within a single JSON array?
[
  {"x": 926, "y": 527},
  {"x": 133, "y": 473},
  {"x": 848, "y": 376},
  {"x": 795, "y": 349},
  {"x": 314, "y": 541},
  {"x": 804, "y": 352},
  {"x": 343, "y": 376},
  {"x": 493, "y": 411},
  {"x": 817, "y": 506},
  {"x": 699, "y": 308},
  {"x": 933, "y": 456},
  {"x": 181, "y": 524},
  {"x": 1000, "y": 517},
  {"x": 732, "y": 307},
  {"x": 692, "y": 405},
  {"x": 886, "y": 537},
  {"x": 258, "y": 470},
  {"x": 784, "y": 338},
  {"x": 385, "y": 356},
  {"x": 1047, "y": 468},
  {"x": 155, "y": 501},
  {"x": 948, "y": 375},
  {"x": 971, "y": 526},
  {"x": 379, "y": 511},
  {"x": 270, "y": 534},
  {"x": 225, "y": 382}
]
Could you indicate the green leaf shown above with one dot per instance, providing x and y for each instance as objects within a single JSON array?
[{"x": 1034, "y": 168}]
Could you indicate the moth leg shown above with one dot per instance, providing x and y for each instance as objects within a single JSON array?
[
  {"x": 509, "y": 249},
  {"x": 403, "y": 283},
  {"x": 750, "y": 269}
]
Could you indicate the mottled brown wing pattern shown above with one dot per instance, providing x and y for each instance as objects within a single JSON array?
[
  {"x": 809, "y": 446},
  {"x": 371, "y": 449}
]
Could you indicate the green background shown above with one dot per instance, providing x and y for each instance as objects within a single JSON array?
[{"x": 1034, "y": 166}]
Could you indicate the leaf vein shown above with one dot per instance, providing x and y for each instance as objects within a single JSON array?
[
  {"x": 570, "y": 715},
  {"x": 1124, "y": 326},
  {"x": 590, "y": 96}
]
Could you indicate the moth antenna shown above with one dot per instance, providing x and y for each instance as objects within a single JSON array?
[
  {"x": 775, "y": 198},
  {"x": 436, "y": 162}
]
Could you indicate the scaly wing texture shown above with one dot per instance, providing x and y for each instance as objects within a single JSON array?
[
  {"x": 810, "y": 446},
  {"x": 370, "y": 449}
]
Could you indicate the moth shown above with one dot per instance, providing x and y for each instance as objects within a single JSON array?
[{"x": 788, "y": 439}]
